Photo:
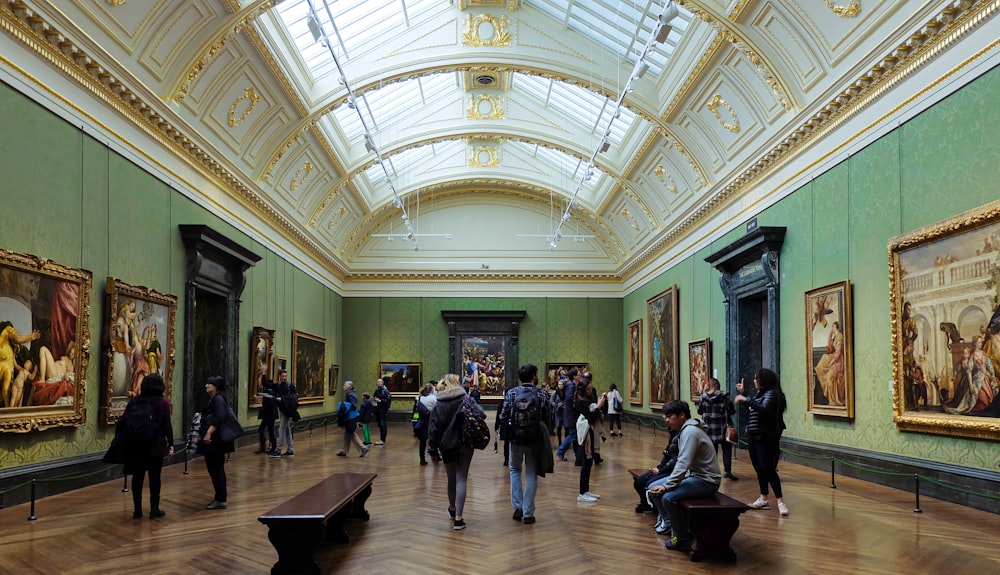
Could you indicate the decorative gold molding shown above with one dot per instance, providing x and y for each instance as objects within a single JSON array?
[
  {"x": 116, "y": 3},
  {"x": 485, "y": 277},
  {"x": 492, "y": 161},
  {"x": 713, "y": 107},
  {"x": 852, "y": 9},
  {"x": 499, "y": 39},
  {"x": 629, "y": 218},
  {"x": 297, "y": 181},
  {"x": 496, "y": 108},
  {"x": 512, "y": 5},
  {"x": 659, "y": 171},
  {"x": 248, "y": 94},
  {"x": 654, "y": 223}
]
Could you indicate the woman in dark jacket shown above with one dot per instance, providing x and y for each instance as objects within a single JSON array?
[
  {"x": 349, "y": 416},
  {"x": 716, "y": 409},
  {"x": 764, "y": 427},
  {"x": 445, "y": 435},
  {"x": 148, "y": 457},
  {"x": 558, "y": 405},
  {"x": 214, "y": 449},
  {"x": 584, "y": 404}
]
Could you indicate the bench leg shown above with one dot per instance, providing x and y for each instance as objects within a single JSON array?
[
  {"x": 296, "y": 545},
  {"x": 712, "y": 533},
  {"x": 335, "y": 532}
]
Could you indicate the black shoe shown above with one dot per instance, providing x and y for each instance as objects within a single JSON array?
[
  {"x": 528, "y": 520},
  {"x": 458, "y": 525},
  {"x": 518, "y": 515},
  {"x": 137, "y": 514},
  {"x": 598, "y": 459},
  {"x": 423, "y": 462},
  {"x": 642, "y": 508},
  {"x": 289, "y": 453},
  {"x": 730, "y": 476},
  {"x": 274, "y": 453},
  {"x": 156, "y": 514},
  {"x": 451, "y": 512}
]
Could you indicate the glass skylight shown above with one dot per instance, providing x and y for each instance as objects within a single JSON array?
[{"x": 591, "y": 110}]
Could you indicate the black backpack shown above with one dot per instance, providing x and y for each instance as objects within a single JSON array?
[
  {"x": 138, "y": 426},
  {"x": 525, "y": 419}
]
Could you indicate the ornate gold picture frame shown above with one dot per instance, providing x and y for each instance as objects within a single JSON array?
[
  {"x": 308, "y": 366},
  {"x": 945, "y": 298},
  {"x": 661, "y": 324},
  {"x": 830, "y": 350},
  {"x": 44, "y": 343},
  {"x": 699, "y": 367},
  {"x": 261, "y": 353},
  {"x": 635, "y": 362},
  {"x": 138, "y": 340}
]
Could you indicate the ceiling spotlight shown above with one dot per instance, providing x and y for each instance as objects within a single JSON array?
[
  {"x": 641, "y": 70},
  {"x": 351, "y": 102},
  {"x": 369, "y": 145},
  {"x": 565, "y": 217},
  {"x": 396, "y": 203},
  {"x": 669, "y": 13},
  {"x": 552, "y": 246},
  {"x": 313, "y": 24},
  {"x": 416, "y": 248}
]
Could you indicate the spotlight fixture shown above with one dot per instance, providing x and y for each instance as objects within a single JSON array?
[{"x": 641, "y": 70}]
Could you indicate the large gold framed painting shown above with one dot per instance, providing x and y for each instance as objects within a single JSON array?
[
  {"x": 139, "y": 341},
  {"x": 945, "y": 288},
  {"x": 44, "y": 343},
  {"x": 661, "y": 323}
]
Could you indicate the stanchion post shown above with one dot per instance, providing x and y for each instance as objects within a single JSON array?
[
  {"x": 187, "y": 456},
  {"x": 916, "y": 491},
  {"x": 833, "y": 478},
  {"x": 124, "y": 481},
  {"x": 32, "y": 517}
]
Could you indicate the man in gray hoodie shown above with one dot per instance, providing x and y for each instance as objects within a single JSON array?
[{"x": 696, "y": 473}]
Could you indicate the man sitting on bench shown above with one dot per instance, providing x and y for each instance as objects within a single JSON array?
[
  {"x": 655, "y": 474},
  {"x": 696, "y": 473}
]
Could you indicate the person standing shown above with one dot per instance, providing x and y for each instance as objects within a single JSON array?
[
  {"x": 367, "y": 409},
  {"x": 569, "y": 414},
  {"x": 268, "y": 411},
  {"x": 591, "y": 411},
  {"x": 422, "y": 407},
  {"x": 145, "y": 456},
  {"x": 695, "y": 474},
  {"x": 716, "y": 408},
  {"x": 615, "y": 408},
  {"x": 288, "y": 410},
  {"x": 445, "y": 435},
  {"x": 765, "y": 424},
  {"x": 348, "y": 418},
  {"x": 213, "y": 449},
  {"x": 524, "y": 409},
  {"x": 558, "y": 405},
  {"x": 382, "y": 399}
]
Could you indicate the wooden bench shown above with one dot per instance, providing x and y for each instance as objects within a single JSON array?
[
  {"x": 714, "y": 520},
  {"x": 298, "y": 526}
]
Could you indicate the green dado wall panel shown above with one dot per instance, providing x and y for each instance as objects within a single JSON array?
[
  {"x": 84, "y": 206},
  {"x": 943, "y": 162},
  {"x": 411, "y": 330}
]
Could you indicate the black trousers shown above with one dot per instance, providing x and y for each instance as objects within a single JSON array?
[
  {"x": 216, "y": 465},
  {"x": 153, "y": 466},
  {"x": 266, "y": 425}
]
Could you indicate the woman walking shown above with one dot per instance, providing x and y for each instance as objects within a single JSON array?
[
  {"x": 445, "y": 435},
  {"x": 212, "y": 448},
  {"x": 348, "y": 418},
  {"x": 764, "y": 427}
]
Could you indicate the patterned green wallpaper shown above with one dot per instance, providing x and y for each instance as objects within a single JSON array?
[{"x": 839, "y": 226}]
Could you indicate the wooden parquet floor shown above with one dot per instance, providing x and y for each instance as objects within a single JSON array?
[{"x": 856, "y": 528}]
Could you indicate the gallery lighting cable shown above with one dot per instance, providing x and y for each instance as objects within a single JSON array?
[
  {"x": 660, "y": 32},
  {"x": 320, "y": 36}
]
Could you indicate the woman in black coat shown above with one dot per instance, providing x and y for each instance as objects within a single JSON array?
[
  {"x": 445, "y": 435},
  {"x": 214, "y": 449},
  {"x": 764, "y": 427},
  {"x": 146, "y": 457}
]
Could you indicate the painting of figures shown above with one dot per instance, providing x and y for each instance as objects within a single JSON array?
[
  {"x": 946, "y": 325},
  {"x": 699, "y": 367},
  {"x": 308, "y": 366},
  {"x": 140, "y": 341},
  {"x": 661, "y": 322},
  {"x": 44, "y": 338},
  {"x": 483, "y": 363},
  {"x": 635, "y": 362},
  {"x": 830, "y": 351}
]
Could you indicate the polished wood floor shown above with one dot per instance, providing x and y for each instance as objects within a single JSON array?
[{"x": 856, "y": 528}]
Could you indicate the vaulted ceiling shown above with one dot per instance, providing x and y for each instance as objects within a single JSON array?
[{"x": 449, "y": 140}]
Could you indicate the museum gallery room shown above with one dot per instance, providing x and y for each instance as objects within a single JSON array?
[{"x": 658, "y": 192}]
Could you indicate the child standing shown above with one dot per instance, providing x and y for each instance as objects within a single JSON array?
[{"x": 367, "y": 405}]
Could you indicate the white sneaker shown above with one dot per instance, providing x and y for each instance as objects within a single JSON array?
[
  {"x": 759, "y": 503},
  {"x": 659, "y": 522},
  {"x": 782, "y": 509},
  {"x": 586, "y": 497},
  {"x": 379, "y": 443},
  {"x": 592, "y": 494},
  {"x": 663, "y": 528}
]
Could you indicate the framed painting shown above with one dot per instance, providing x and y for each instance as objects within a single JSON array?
[
  {"x": 661, "y": 326},
  {"x": 278, "y": 363},
  {"x": 635, "y": 362},
  {"x": 404, "y": 379},
  {"x": 945, "y": 301},
  {"x": 44, "y": 343},
  {"x": 139, "y": 340},
  {"x": 699, "y": 366},
  {"x": 556, "y": 371},
  {"x": 484, "y": 364},
  {"x": 261, "y": 352},
  {"x": 830, "y": 350},
  {"x": 333, "y": 383},
  {"x": 308, "y": 360}
]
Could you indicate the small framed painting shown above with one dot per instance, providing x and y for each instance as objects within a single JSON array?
[{"x": 699, "y": 366}]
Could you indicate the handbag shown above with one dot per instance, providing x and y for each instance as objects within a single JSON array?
[
  {"x": 582, "y": 425},
  {"x": 732, "y": 434},
  {"x": 230, "y": 430}
]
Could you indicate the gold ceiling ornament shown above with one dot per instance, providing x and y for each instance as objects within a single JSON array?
[
  {"x": 301, "y": 175},
  {"x": 216, "y": 46},
  {"x": 852, "y": 9},
  {"x": 713, "y": 107},
  {"x": 484, "y": 157},
  {"x": 512, "y": 5},
  {"x": 629, "y": 218},
  {"x": 116, "y": 3},
  {"x": 336, "y": 218},
  {"x": 495, "y": 34},
  {"x": 248, "y": 94},
  {"x": 641, "y": 202},
  {"x": 660, "y": 171},
  {"x": 485, "y": 107}
]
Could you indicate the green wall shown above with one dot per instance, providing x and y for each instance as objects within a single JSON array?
[
  {"x": 74, "y": 201},
  {"x": 941, "y": 163},
  {"x": 412, "y": 330}
]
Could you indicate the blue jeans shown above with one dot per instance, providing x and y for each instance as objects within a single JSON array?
[
  {"x": 525, "y": 501},
  {"x": 285, "y": 436},
  {"x": 570, "y": 438},
  {"x": 689, "y": 488}
]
